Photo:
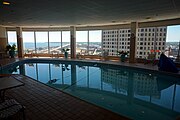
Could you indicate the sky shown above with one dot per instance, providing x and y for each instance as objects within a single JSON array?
[{"x": 173, "y": 35}]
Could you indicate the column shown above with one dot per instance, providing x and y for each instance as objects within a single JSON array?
[
  {"x": 3, "y": 39},
  {"x": 88, "y": 42},
  {"x": 132, "y": 57},
  {"x": 73, "y": 41},
  {"x": 19, "y": 42}
]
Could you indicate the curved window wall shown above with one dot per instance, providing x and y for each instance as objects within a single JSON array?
[
  {"x": 52, "y": 42},
  {"x": 48, "y": 42}
]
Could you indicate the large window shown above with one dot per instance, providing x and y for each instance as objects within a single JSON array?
[
  {"x": 55, "y": 42},
  {"x": 172, "y": 43},
  {"x": 66, "y": 40},
  {"x": 153, "y": 35},
  {"x": 81, "y": 42},
  {"x": 28, "y": 40},
  {"x": 41, "y": 42},
  {"x": 149, "y": 41},
  {"x": 95, "y": 42},
  {"x": 111, "y": 43},
  {"x": 12, "y": 37}
]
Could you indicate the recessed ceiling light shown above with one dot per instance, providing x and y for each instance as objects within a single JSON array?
[{"x": 6, "y": 3}]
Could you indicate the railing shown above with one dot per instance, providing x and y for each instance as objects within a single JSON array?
[
  {"x": 42, "y": 55},
  {"x": 94, "y": 57}
]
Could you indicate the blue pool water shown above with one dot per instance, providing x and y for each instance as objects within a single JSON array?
[{"x": 137, "y": 94}]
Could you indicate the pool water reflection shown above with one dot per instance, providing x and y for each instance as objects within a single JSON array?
[{"x": 129, "y": 92}]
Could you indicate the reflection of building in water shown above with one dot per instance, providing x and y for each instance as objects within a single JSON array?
[
  {"x": 145, "y": 85},
  {"x": 117, "y": 78}
]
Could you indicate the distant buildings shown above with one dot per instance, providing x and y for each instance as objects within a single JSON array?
[
  {"x": 172, "y": 50},
  {"x": 149, "y": 41}
]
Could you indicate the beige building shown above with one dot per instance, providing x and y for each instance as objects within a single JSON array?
[{"x": 149, "y": 41}]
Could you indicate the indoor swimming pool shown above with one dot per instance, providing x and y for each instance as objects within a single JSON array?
[{"x": 136, "y": 93}]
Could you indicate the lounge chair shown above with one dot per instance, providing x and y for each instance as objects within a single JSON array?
[
  {"x": 10, "y": 109},
  {"x": 166, "y": 64}
]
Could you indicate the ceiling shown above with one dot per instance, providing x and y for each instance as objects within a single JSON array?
[{"x": 61, "y": 13}]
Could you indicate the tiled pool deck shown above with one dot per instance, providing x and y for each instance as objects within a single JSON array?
[{"x": 46, "y": 103}]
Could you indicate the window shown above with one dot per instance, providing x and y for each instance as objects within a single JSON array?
[
  {"x": 41, "y": 42},
  {"x": 95, "y": 42},
  {"x": 12, "y": 37},
  {"x": 29, "y": 42},
  {"x": 66, "y": 40},
  {"x": 81, "y": 42},
  {"x": 55, "y": 42}
]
